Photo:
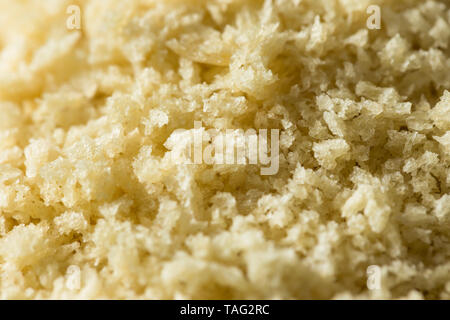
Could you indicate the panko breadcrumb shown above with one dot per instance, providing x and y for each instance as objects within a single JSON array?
[{"x": 92, "y": 205}]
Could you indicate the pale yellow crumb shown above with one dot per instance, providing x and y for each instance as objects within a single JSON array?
[{"x": 95, "y": 205}]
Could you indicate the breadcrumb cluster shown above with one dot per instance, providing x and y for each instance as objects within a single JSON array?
[{"x": 93, "y": 205}]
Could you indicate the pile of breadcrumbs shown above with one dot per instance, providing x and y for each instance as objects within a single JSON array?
[{"x": 92, "y": 204}]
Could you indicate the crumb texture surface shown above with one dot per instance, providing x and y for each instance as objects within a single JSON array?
[{"x": 93, "y": 205}]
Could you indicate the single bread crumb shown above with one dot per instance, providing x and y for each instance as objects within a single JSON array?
[{"x": 94, "y": 204}]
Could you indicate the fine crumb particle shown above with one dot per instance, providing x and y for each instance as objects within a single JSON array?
[{"x": 95, "y": 202}]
